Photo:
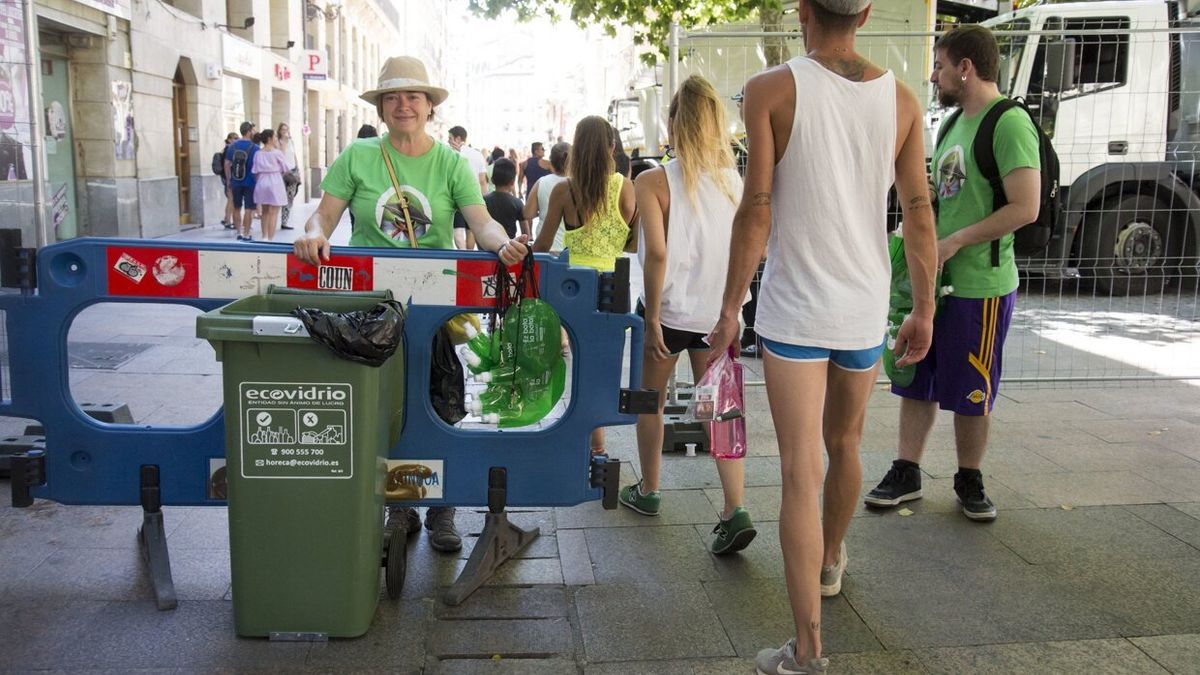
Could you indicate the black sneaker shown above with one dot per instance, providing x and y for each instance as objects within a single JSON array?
[
  {"x": 968, "y": 485},
  {"x": 902, "y": 483},
  {"x": 403, "y": 518},
  {"x": 439, "y": 520}
]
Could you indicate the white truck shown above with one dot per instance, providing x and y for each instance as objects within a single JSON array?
[{"x": 1116, "y": 85}]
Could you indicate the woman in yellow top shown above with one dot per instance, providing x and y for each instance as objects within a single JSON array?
[{"x": 595, "y": 205}]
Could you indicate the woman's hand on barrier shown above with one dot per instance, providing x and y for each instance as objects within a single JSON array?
[
  {"x": 312, "y": 248},
  {"x": 514, "y": 251}
]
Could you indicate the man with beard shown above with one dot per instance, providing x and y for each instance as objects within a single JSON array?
[{"x": 962, "y": 372}]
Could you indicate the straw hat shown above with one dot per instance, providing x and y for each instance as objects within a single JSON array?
[{"x": 404, "y": 73}]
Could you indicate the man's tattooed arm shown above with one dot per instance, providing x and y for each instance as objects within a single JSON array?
[{"x": 761, "y": 199}]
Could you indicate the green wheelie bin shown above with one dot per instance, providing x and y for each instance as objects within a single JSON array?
[{"x": 306, "y": 439}]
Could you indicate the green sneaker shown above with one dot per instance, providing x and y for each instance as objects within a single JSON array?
[
  {"x": 734, "y": 534},
  {"x": 631, "y": 496}
]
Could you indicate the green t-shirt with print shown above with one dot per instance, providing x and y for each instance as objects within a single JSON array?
[
  {"x": 965, "y": 198},
  {"x": 436, "y": 184}
]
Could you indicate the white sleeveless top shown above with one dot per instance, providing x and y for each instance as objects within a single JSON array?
[
  {"x": 547, "y": 184},
  {"x": 697, "y": 251},
  {"x": 828, "y": 273}
]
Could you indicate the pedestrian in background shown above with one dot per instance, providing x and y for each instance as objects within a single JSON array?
[
  {"x": 218, "y": 167},
  {"x": 270, "y": 193},
  {"x": 595, "y": 205},
  {"x": 291, "y": 178},
  {"x": 538, "y": 203},
  {"x": 502, "y": 203},
  {"x": 535, "y": 167},
  {"x": 238, "y": 157}
]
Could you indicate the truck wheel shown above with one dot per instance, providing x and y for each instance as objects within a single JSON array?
[{"x": 1125, "y": 248}]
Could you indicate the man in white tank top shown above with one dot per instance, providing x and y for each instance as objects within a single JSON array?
[{"x": 816, "y": 185}]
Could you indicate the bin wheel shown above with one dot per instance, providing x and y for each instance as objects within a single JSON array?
[{"x": 396, "y": 567}]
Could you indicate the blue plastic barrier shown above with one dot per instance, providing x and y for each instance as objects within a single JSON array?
[{"x": 90, "y": 462}]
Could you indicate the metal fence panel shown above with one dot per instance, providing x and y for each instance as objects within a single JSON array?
[{"x": 1115, "y": 296}]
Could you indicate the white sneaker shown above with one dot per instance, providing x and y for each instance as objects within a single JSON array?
[
  {"x": 782, "y": 661},
  {"x": 831, "y": 577}
]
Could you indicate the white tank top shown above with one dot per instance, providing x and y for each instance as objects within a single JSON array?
[
  {"x": 828, "y": 273},
  {"x": 697, "y": 251},
  {"x": 547, "y": 185}
]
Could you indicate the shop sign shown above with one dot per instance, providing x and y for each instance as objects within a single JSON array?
[
  {"x": 118, "y": 8},
  {"x": 241, "y": 57},
  {"x": 282, "y": 73},
  {"x": 314, "y": 66}
]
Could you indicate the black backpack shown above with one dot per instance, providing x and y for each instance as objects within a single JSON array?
[
  {"x": 239, "y": 161},
  {"x": 1033, "y": 238},
  {"x": 218, "y": 165}
]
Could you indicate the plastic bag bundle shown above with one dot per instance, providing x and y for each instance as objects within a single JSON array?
[
  {"x": 369, "y": 336},
  {"x": 900, "y": 305},
  {"x": 719, "y": 399},
  {"x": 521, "y": 359}
]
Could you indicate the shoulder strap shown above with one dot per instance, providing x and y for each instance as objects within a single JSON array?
[
  {"x": 984, "y": 151},
  {"x": 946, "y": 125},
  {"x": 387, "y": 161}
]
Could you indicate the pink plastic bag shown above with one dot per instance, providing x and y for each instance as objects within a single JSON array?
[{"x": 718, "y": 399}]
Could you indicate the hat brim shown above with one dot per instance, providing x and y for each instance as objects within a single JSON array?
[{"x": 436, "y": 94}]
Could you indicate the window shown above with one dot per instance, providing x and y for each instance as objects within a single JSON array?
[
  {"x": 1101, "y": 61},
  {"x": 1011, "y": 47}
]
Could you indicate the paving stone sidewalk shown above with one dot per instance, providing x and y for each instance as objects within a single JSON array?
[{"x": 1092, "y": 566}]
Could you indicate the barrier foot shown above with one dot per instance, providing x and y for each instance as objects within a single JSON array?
[
  {"x": 152, "y": 539},
  {"x": 499, "y": 541}
]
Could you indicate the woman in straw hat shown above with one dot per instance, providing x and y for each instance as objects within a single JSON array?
[{"x": 403, "y": 188}]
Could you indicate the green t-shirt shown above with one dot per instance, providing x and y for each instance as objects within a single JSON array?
[
  {"x": 965, "y": 198},
  {"x": 436, "y": 184}
]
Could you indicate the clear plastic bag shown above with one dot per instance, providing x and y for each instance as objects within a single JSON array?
[
  {"x": 718, "y": 395},
  {"x": 719, "y": 399}
]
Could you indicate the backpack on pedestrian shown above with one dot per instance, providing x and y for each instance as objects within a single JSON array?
[
  {"x": 239, "y": 161},
  {"x": 1033, "y": 238},
  {"x": 218, "y": 163}
]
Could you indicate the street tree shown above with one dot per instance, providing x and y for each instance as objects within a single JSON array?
[{"x": 650, "y": 19}]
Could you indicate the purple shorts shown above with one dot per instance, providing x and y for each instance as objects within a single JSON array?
[{"x": 962, "y": 370}]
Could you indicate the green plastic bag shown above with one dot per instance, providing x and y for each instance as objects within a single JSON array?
[
  {"x": 528, "y": 377},
  {"x": 900, "y": 305}
]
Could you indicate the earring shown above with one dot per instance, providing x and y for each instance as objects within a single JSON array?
[{"x": 964, "y": 78}]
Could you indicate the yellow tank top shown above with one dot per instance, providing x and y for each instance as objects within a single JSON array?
[{"x": 601, "y": 240}]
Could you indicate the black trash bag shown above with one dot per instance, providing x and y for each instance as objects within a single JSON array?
[
  {"x": 446, "y": 389},
  {"x": 369, "y": 336}
]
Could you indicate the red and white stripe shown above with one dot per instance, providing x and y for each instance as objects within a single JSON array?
[{"x": 162, "y": 272}]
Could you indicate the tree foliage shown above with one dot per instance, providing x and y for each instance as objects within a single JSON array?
[{"x": 649, "y": 19}]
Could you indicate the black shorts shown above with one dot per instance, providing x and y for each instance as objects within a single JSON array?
[
  {"x": 459, "y": 221},
  {"x": 676, "y": 340}
]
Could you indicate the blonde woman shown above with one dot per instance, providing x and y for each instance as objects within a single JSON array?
[{"x": 686, "y": 210}]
